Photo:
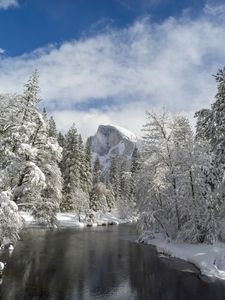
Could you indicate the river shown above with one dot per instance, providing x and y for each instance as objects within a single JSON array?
[{"x": 96, "y": 264}]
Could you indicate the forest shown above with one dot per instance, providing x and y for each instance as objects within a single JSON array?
[{"x": 173, "y": 183}]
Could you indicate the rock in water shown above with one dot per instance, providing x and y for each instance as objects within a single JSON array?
[{"x": 112, "y": 140}]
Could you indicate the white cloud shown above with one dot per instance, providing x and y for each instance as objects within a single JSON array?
[
  {"x": 2, "y": 50},
  {"x": 215, "y": 10},
  {"x": 130, "y": 117},
  {"x": 5, "y": 4},
  {"x": 144, "y": 66}
]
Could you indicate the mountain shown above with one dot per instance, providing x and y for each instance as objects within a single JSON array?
[{"x": 112, "y": 140}]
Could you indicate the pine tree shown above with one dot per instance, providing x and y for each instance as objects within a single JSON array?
[
  {"x": 97, "y": 171},
  {"x": 210, "y": 124},
  {"x": 71, "y": 173},
  {"x": 26, "y": 149},
  {"x": 48, "y": 156},
  {"x": 75, "y": 188},
  {"x": 110, "y": 198},
  {"x": 52, "y": 128},
  {"x": 114, "y": 176},
  {"x": 204, "y": 119},
  {"x": 100, "y": 198},
  {"x": 88, "y": 166},
  {"x": 61, "y": 142},
  {"x": 210, "y": 128},
  {"x": 45, "y": 114},
  {"x": 135, "y": 161},
  {"x": 61, "y": 139},
  {"x": 82, "y": 165}
]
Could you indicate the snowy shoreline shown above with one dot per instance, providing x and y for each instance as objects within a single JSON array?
[
  {"x": 71, "y": 220},
  {"x": 209, "y": 259}
]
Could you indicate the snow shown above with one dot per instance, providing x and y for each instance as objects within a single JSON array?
[
  {"x": 209, "y": 259},
  {"x": 124, "y": 132},
  {"x": 28, "y": 218},
  {"x": 71, "y": 220},
  {"x": 111, "y": 140}
]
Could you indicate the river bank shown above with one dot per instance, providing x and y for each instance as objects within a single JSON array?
[
  {"x": 209, "y": 259},
  {"x": 72, "y": 220}
]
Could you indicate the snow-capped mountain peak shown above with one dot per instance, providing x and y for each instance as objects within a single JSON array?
[
  {"x": 124, "y": 132},
  {"x": 112, "y": 140}
]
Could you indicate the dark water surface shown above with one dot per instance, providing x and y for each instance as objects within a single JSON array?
[{"x": 98, "y": 263}]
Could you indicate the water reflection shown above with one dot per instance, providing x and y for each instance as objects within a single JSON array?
[{"x": 97, "y": 264}]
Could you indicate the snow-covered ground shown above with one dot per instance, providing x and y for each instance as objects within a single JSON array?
[
  {"x": 71, "y": 220},
  {"x": 209, "y": 259}
]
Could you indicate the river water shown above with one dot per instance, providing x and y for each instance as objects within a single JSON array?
[{"x": 98, "y": 263}]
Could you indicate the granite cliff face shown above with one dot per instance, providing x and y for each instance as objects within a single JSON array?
[{"x": 111, "y": 140}]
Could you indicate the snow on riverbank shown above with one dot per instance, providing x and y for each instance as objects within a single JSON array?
[
  {"x": 209, "y": 259},
  {"x": 71, "y": 220}
]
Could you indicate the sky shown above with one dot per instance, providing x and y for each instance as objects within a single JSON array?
[{"x": 108, "y": 61}]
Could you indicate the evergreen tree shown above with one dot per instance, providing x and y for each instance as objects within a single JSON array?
[
  {"x": 26, "y": 149},
  {"x": 97, "y": 171},
  {"x": 52, "y": 128},
  {"x": 135, "y": 161},
  {"x": 204, "y": 119},
  {"x": 114, "y": 176},
  {"x": 61, "y": 142},
  {"x": 48, "y": 155},
  {"x": 110, "y": 198},
  {"x": 71, "y": 173},
  {"x": 82, "y": 165},
  {"x": 100, "y": 197},
  {"x": 88, "y": 166},
  {"x": 61, "y": 139},
  {"x": 211, "y": 122}
]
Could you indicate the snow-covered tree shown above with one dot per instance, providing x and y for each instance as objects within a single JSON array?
[
  {"x": 10, "y": 220},
  {"x": 61, "y": 142},
  {"x": 210, "y": 127},
  {"x": 48, "y": 155},
  {"x": 71, "y": 173},
  {"x": 76, "y": 174},
  {"x": 126, "y": 203},
  {"x": 211, "y": 122},
  {"x": 85, "y": 167},
  {"x": 61, "y": 139},
  {"x": 100, "y": 197},
  {"x": 25, "y": 149},
  {"x": 172, "y": 193},
  {"x": 192, "y": 163},
  {"x": 88, "y": 166},
  {"x": 52, "y": 128},
  {"x": 203, "y": 124},
  {"x": 110, "y": 198},
  {"x": 114, "y": 175},
  {"x": 158, "y": 157},
  {"x": 97, "y": 171},
  {"x": 135, "y": 161}
]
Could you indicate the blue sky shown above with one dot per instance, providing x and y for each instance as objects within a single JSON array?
[
  {"x": 108, "y": 61},
  {"x": 36, "y": 23}
]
